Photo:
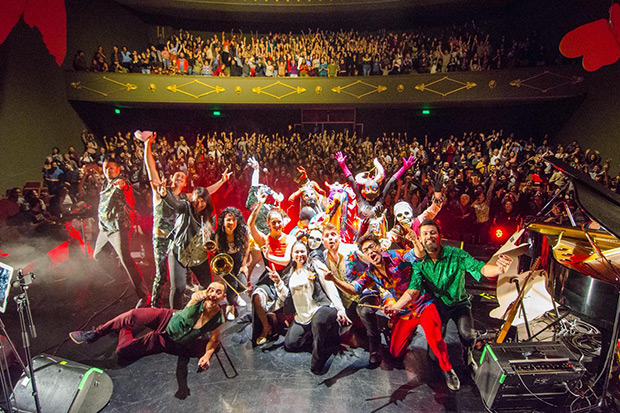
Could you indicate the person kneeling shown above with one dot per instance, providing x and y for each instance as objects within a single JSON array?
[
  {"x": 318, "y": 308},
  {"x": 177, "y": 333},
  {"x": 390, "y": 273}
]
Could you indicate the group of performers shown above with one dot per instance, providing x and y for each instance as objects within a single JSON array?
[{"x": 339, "y": 270}]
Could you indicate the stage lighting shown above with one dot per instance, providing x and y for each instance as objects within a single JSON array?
[
  {"x": 498, "y": 233},
  {"x": 217, "y": 113},
  {"x": 426, "y": 112},
  {"x": 117, "y": 111}
]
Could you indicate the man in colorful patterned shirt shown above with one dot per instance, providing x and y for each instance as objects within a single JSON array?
[
  {"x": 442, "y": 272},
  {"x": 390, "y": 273},
  {"x": 116, "y": 217}
]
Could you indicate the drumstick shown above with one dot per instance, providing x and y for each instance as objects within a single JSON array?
[{"x": 378, "y": 307}]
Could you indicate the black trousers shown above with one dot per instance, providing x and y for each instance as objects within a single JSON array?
[
  {"x": 121, "y": 242},
  {"x": 322, "y": 330},
  {"x": 178, "y": 279},
  {"x": 370, "y": 321},
  {"x": 462, "y": 317}
]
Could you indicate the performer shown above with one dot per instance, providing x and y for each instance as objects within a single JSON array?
[
  {"x": 232, "y": 238},
  {"x": 272, "y": 202},
  {"x": 390, "y": 273},
  {"x": 369, "y": 192},
  {"x": 404, "y": 234},
  {"x": 178, "y": 333},
  {"x": 318, "y": 308},
  {"x": 276, "y": 248},
  {"x": 192, "y": 224},
  {"x": 116, "y": 217},
  {"x": 163, "y": 215},
  {"x": 315, "y": 244},
  {"x": 310, "y": 193},
  {"x": 335, "y": 256},
  {"x": 442, "y": 270}
]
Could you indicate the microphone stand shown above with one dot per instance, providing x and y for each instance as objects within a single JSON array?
[{"x": 28, "y": 328}]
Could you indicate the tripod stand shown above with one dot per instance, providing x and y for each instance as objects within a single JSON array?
[
  {"x": 28, "y": 328},
  {"x": 5, "y": 374}
]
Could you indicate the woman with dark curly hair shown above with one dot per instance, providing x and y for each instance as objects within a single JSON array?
[{"x": 232, "y": 238}]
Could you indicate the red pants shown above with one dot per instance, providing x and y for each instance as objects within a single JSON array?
[
  {"x": 431, "y": 323},
  {"x": 130, "y": 349}
]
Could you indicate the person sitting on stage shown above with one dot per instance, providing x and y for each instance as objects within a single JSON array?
[
  {"x": 231, "y": 237},
  {"x": 391, "y": 274},
  {"x": 193, "y": 220},
  {"x": 336, "y": 254},
  {"x": 116, "y": 218},
  {"x": 442, "y": 271},
  {"x": 276, "y": 248},
  {"x": 178, "y": 333},
  {"x": 317, "y": 304}
]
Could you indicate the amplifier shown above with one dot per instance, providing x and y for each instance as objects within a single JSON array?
[
  {"x": 516, "y": 376},
  {"x": 64, "y": 387}
]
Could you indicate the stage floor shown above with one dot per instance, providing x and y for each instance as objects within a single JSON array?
[{"x": 77, "y": 294}]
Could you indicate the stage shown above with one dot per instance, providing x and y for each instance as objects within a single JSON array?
[{"x": 75, "y": 293}]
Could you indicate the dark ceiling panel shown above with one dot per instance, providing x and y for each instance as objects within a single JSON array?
[{"x": 302, "y": 12}]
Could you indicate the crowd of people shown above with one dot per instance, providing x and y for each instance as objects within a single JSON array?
[
  {"x": 468, "y": 47},
  {"x": 345, "y": 226},
  {"x": 491, "y": 177}
]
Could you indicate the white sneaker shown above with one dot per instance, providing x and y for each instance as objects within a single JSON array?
[
  {"x": 230, "y": 312},
  {"x": 241, "y": 302}
]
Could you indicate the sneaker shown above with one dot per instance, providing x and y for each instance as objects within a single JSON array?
[
  {"x": 230, "y": 312},
  {"x": 452, "y": 380},
  {"x": 241, "y": 302},
  {"x": 85, "y": 336}
]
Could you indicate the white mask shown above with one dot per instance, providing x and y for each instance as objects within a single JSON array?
[
  {"x": 403, "y": 214},
  {"x": 314, "y": 240}
]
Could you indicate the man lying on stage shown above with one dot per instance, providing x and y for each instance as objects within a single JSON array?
[
  {"x": 442, "y": 271},
  {"x": 390, "y": 274},
  {"x": 173, "y": 332}
]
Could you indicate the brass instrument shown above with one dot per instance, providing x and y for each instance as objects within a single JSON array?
[
  {"x": 221, "y": 266},
  {"x": 199, "y": 246}
]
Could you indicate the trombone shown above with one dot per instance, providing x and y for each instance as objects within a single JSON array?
[{"x": 221, "y": 266}]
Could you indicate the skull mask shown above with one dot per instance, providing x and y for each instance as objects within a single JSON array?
[
  {"x": 404, "y": 214},
  {"x": 315, "y": 239}
]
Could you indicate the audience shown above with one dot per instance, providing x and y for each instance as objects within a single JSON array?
[
  {"x": 490, "y": 179},
  {"x": 468, "y": 47}
]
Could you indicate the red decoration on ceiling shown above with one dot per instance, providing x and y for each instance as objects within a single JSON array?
[
  {"x": 598, "y": 41},
  {"x": 49, "y": 16}
]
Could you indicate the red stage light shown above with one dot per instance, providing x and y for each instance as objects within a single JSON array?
[{"x": 499, "y": 234}]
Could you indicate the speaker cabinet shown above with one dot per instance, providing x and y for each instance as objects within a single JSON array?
[
  {"x": 527, "y": 376},
  {"x": 63, "y": 386}
]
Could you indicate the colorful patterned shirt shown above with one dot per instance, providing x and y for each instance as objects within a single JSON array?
[
  {"x": 116, "y": 206},
  {"x": 445, "y": 278},
  {"x": 396, "y": 281}
]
